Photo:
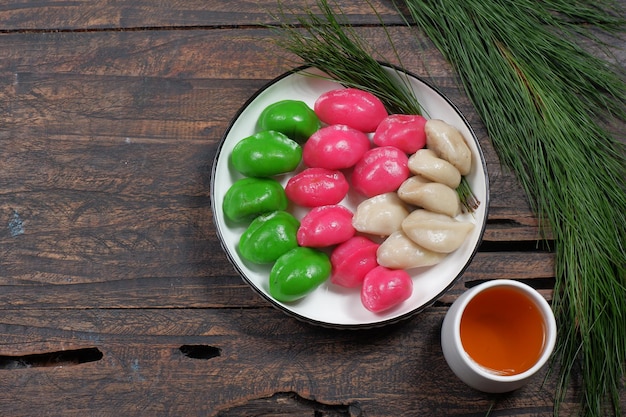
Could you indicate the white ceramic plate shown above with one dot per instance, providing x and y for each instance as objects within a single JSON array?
[{"x": 331, "y": 305}]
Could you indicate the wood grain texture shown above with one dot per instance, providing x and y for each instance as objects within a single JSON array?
[
  {"x": 112, "y": 113},
  {"x": 398, "y": 370},
  {"x": 143, "y": 14}
]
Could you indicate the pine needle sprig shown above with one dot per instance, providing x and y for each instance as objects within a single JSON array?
[
  {"x": 329, "y": 43},
  {"x": 544, "y": 100}
]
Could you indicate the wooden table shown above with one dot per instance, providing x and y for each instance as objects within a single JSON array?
[{"x": 116, "y": 296}]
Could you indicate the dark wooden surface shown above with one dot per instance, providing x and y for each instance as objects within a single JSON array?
[{"x": 116, "y": 298}]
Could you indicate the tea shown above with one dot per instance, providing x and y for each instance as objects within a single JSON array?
[{"x": 503, "y": 330}]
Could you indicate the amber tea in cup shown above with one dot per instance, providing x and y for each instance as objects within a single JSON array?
[
  {"x": 498, "y": 334},
  {"x": 502, "y": 329}
]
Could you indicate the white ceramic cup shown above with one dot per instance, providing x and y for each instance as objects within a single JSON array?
[{"x": 474, "y": 374}]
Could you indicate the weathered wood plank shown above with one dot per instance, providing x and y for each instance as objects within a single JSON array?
[
  {"x": 398, "y": 370},
  {"x": 170, "y": 279},
  {"x": 144, "y": 14},
  {"x": 217, "y": 54}
]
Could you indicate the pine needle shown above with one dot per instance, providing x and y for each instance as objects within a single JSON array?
[
  {"x": 328, "y": 43},
  {"x": 543, "y": 100}
]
